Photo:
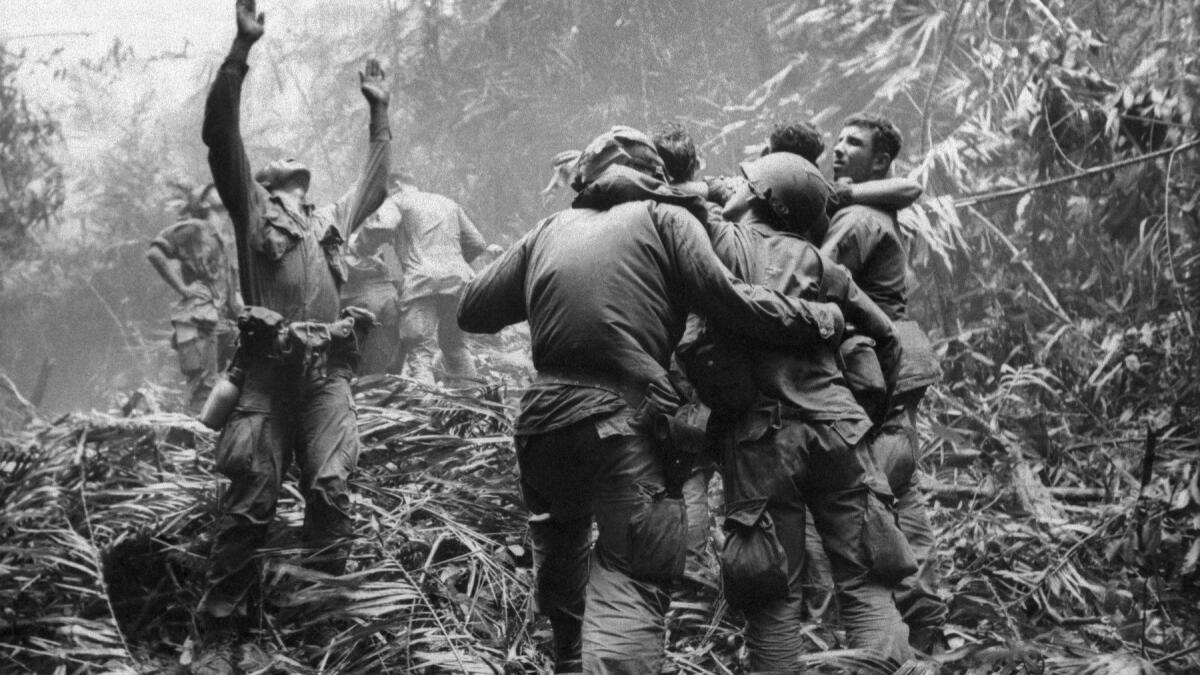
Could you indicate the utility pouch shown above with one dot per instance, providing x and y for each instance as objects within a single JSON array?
[
  {"x": 679, "y": 441},
  {"x": 889, "y": 556},
  {"x": 658, "y": 537},
  {"x": 259, "y": 332},
  {"x": 919, "y": 365},
  {"x": 754, "y": 565},
  {"x": 864, "y": 376}
]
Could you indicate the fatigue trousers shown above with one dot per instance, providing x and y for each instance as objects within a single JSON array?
[
  {"x": 896, "y": 449},
  {"x": 281, "y": 417},
  {"x": 786, "y": 464},
  {"x": 380, "y": 350},
  {"x": 607, "y": 604},
  {"x": 430, "y": 323}
]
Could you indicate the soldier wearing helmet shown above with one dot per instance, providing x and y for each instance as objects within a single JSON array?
[
  {"x": 804, "y": 139},
  {"x": 606, "y": 286},
  {"x": 797, "y": 438}
]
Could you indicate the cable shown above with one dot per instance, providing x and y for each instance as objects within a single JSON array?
[{"x": 972, "y": 200}]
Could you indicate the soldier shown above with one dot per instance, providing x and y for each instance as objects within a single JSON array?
[
  {"x": 434, "y": 240},
  {"x": 606, "y": 286},
  {"x": 295, "y": 357},
  {"x": 798, "y": 437},
  {"x": 804, "y": 139},
  {"x": 867, "y": 241},
  {"x": 373, "y": 281},
  {"x": 195, "y": 257}
]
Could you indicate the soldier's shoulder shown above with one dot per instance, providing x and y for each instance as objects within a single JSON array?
[{"x": 863, "y": 216}]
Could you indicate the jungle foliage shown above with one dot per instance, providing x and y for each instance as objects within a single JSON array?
[{"x": 1061, "y": 446}]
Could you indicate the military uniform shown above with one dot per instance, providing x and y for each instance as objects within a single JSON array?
[
  {"x": 867, "y": 242},
  {"x": 606, "y": 287},
  {"x": 291, "y": 408}
]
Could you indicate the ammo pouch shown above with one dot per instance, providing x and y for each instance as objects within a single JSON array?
[
  {"x": 658, "y": 538},
  {"x": 889, "y": 556},
  {"x": 754, "y": 566},
  {"x": 864, "y": 376},
  {"x": 919, "y": 365},
  {"x": 259, "y": 331},
  {"x": 680, "y": 438},
  {"x": 304, "y": 345}
]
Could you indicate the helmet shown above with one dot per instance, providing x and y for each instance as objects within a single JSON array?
[
  {"x": 620, "y": 145},
  {"x": 283, "y": 171},
  {"x": 795, "y": 191}
]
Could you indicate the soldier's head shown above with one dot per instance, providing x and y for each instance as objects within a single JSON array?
[
  {"x": 678, "y": 152},
  {"x": 562, "y": 167},
  {"x": 619, "y": 146},
  {"x": 400, "y": 180},
  {"x": 285, "y": 175},
  {"x": 798, "y": 138},
  {"x": 787, "y": 192},
  {"x": 865, "y": 148}
]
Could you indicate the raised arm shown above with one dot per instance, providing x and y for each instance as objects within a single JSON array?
[
  {"x": 221, "y": 133},
  {"x": 372, "y": 186},
  {"x": 733, "y": 305}
]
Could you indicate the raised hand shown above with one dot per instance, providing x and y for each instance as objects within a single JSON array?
[
  {"x": 372, "y": 80},
  {"x": 249, "y": 23}
]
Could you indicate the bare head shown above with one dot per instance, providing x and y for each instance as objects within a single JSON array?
[
  {"x": 865, "y": 148},
  {"x": 798, "y": 138},
  {"x": 678, "y": 152}
]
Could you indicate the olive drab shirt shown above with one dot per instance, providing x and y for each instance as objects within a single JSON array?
[
  {"x": 866, "y": 241},
  {"x": 205, "y": 257},
  {"x": 433, "y": 239},
  {"x": 289, "y": 260},
  {"x": 607, "y": 285},
  {"x": 809, "y": 380}
]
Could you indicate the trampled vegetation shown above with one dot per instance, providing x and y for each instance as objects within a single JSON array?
[{"x": 1061, "y": 447}]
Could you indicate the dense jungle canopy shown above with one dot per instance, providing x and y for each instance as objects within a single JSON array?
[{"x": 1065, "y": 314}]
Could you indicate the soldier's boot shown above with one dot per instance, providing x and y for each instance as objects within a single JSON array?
[
  {"x": 220, "y": 649},
  {"x": 568, "y": 645}
]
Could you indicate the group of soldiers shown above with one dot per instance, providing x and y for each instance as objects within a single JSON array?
[
  {"x": 756, "y": 325},
  {"x": 753, "y": 325}
]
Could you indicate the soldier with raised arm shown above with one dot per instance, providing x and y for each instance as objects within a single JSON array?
[{"x": 295, "y": 358}]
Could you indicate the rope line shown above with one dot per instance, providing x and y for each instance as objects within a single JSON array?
[{"x": 972, "y": 200}]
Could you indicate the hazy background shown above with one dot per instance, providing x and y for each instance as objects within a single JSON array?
[{"x": 486, "y": 92}]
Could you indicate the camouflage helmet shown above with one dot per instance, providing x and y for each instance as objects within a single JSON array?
[
  {"x": 795, "y": 191},
  {"x": 620, "y": 145}
]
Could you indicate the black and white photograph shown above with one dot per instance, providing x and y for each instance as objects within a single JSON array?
[{"x": 630, "y": 337}]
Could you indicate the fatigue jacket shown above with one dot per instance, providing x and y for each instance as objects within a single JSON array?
[
  {"x": 865, "y": 240},
  {"x": 289, "y": 260},
  {"x": 607, "y": 284},
  {"x": 806, "y": 377}
]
